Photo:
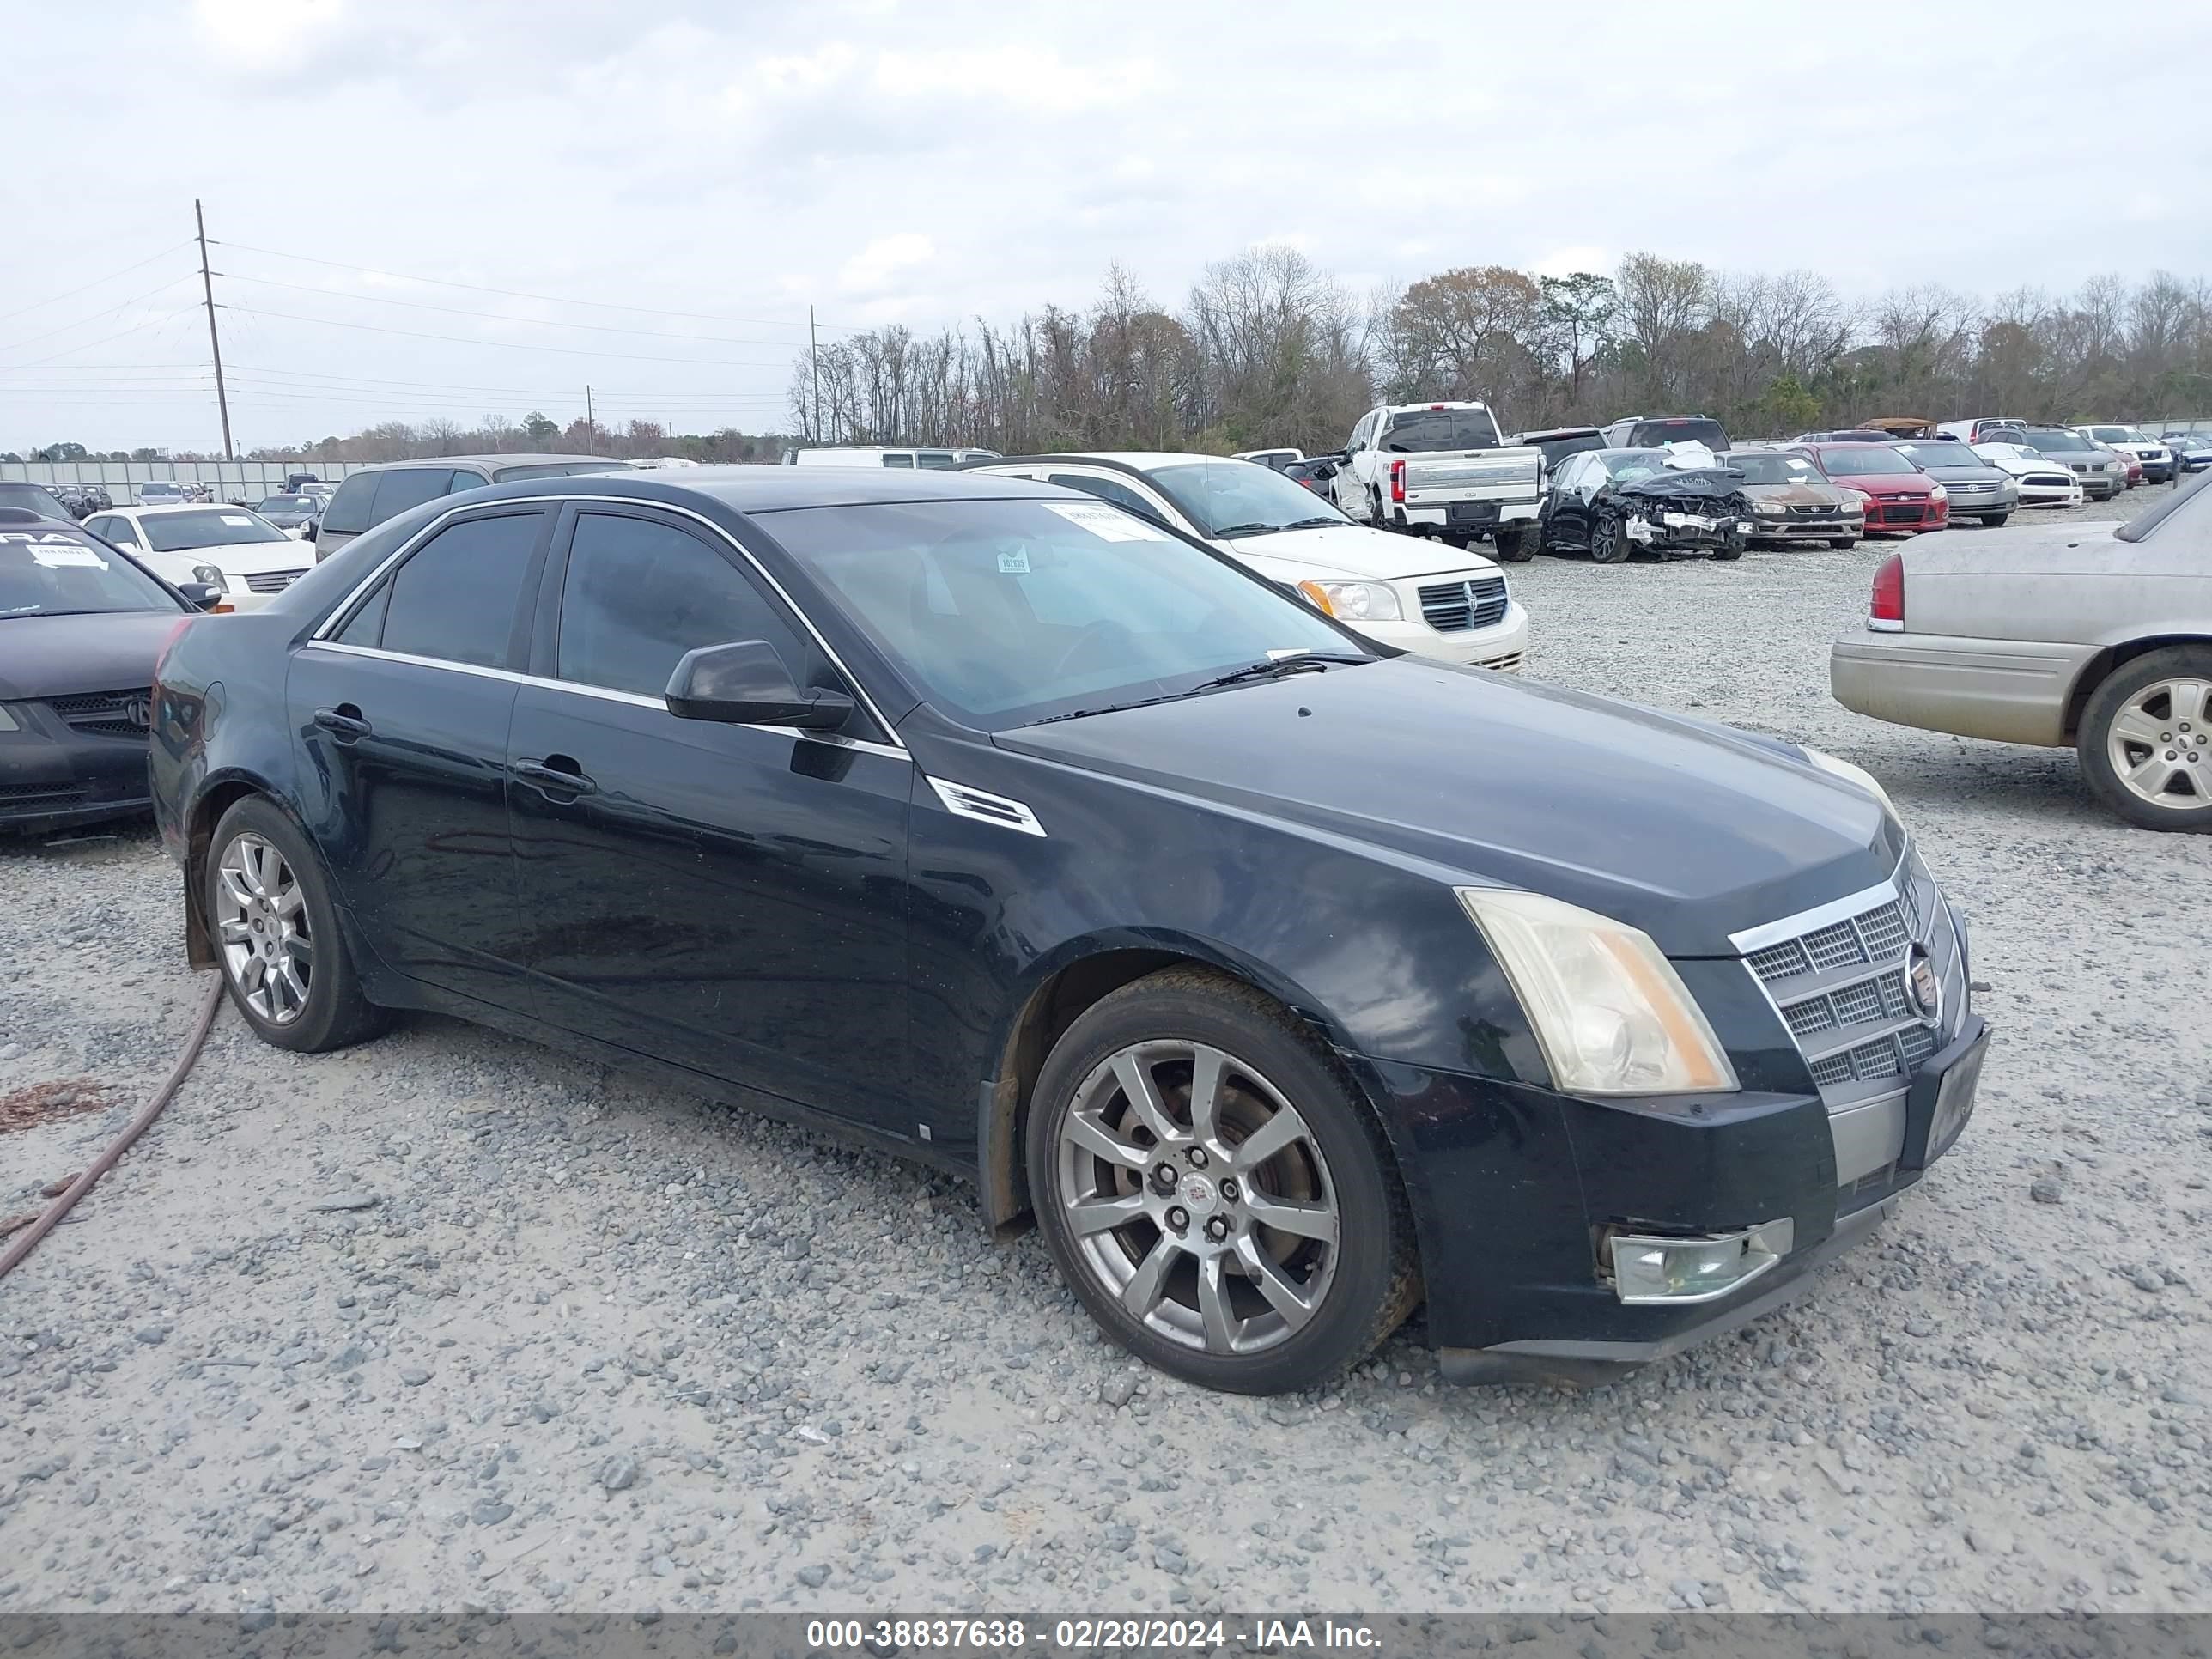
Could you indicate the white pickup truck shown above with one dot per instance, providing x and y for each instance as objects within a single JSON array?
[{"x": 1441, "y": 470}]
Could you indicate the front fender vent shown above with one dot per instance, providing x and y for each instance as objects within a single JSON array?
[{"x": 965, "y": 803}]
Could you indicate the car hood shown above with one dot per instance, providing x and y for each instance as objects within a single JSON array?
[
  {"x": 45, "y": 657},
  {"x": 1688, "y": 830},
  {"x": 1797, "y": 495},
  {"x": 1885, "y": 484},
  {"x": 1348, "y": 549},
  {"x": 1975, "y": 474},
  {"x": 1673, "y": 483}
]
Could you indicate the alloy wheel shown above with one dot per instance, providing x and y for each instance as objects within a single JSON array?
[
  {"x": 2159, "y": 743},
  {"x": 1197, "y": 1197},
  {"x": 261, "y": 925}
]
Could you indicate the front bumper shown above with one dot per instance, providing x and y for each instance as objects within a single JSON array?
[
  {"x": 56, "y": 779},
  {"x": 2006, "y": 691},
  {"x": 1794, "y": 529},
  {"x": 1697, "y": 535},
  {"x": 1503, "y": 646}
]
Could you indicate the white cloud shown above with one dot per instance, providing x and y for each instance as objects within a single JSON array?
[
  {"x": 266, "y": 34},
  {"x": 876, "y": 266},
  {"x": 1031, "y": 77}
]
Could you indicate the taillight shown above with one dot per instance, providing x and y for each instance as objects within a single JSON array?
[
  {"x": 1398, "y": 481},
  {"x": 1886, "y": 609}
]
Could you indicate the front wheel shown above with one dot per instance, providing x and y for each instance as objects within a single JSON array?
[
  {"x": 1610, "y": 539},
  {"x": 275, "y": 933},
  {"x": 1217, "y": 1195},
  {"x": 1377, "y": 516},
  {"x": 1728, "y": 554},
  {"x": 2146, "y": 739},
  {"x": 1844, "y": 544},
  {"x": 1993, "y": 520}
]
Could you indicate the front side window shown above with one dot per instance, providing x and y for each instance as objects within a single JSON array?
[
  {"x": 456, "y": 597},
  {"x": 1006, "y": 612},
  {"x": 215, "y": 526},
  {"x": 640, "y": 594}
]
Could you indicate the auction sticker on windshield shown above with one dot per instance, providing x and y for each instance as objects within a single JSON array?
[
  {"x": 237, "y": 519},
  {"x": 1107, "y": 523}
]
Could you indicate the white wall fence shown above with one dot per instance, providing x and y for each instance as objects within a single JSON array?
[{"x": 247, "y": 480}]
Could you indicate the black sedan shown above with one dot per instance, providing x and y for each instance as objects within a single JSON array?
[
  {"x": 292, "y": 513},
  {"x": 1615, "y": 503},
  {"x": 995, "y": 825},
  {"x": 80, "y": 627}
]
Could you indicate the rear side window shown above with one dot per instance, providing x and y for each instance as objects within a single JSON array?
[
  {"x": 639, "y": 593},
  {"x": 348, "y": 512},
  {"x": 898, "y": 460},
  {"x": 455, "y": 597},
  {"x": 410, "y": 487}
]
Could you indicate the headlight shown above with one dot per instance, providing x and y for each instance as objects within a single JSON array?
[
  {"x": 1937, "y": 493},
  {"x": 1772, "y": 509},
  {"x": 210, "y": 576},
  {"x": 1609, "y": 1011},
  {"x": 1850, "y": 774},
  {"x": 1353, "y": 601}
]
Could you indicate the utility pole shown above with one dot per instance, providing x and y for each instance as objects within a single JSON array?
[
  {"x": 814, "y": 362},
  {"x": 591, "y": 427},
  {"x": 215, "y": 344}
]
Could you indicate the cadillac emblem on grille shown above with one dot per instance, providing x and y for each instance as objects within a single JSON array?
[{"x": 1923, "y": 983}]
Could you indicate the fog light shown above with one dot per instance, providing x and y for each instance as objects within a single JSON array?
[{"x": 1648, "y": 1269}]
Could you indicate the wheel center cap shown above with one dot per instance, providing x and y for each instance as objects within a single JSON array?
[{"x": 1198, "y": 1194}]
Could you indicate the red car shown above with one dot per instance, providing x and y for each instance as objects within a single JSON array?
[
  {"x": 2133, "y": 464},
  {"x": 1901, "y": 499}
]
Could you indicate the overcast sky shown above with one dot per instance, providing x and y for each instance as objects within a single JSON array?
[{"x": 714, "y": 168}]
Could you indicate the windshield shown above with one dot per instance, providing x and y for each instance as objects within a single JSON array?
[
  {"x": 2117, "y": 435},
  {"x": 1767, "y": 467},
  {"x": 1856, "y": 462},
  {"x": 161, "y": 492},
  {"x": 1940, "y": 454},
  {"x": 1556, "y": 450},
  {"x": 48, "y": 572},
  {"x": 33, "y": 498},
  {"x": 2186, "y": 504},
  {"x": 1682, "y": 430},
  {"x": 288, "y": 504},
  {"x": 1425, "y": 431},
  {"x": 1004, "y": 613},
  {"x": 1634, "y": 463},
  {"x": 172, "y": 533},
  {"x": 2053, "y": 441},
  {"x": 1241, "y": 498}
]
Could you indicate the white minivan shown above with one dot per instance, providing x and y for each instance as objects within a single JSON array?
[{"x": 939, "y": 460}]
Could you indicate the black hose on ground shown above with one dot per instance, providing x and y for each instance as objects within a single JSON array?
[{"x": 100, "y": 1166}]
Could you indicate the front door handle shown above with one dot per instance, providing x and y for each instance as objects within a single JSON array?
[
  {"x": 557, "y": 777},
  {"x": 343, "y": 722}
]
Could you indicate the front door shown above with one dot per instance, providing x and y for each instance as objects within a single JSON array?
[
  {"x": 732, "y": 898},
  {"x": 402, "y": 714}
]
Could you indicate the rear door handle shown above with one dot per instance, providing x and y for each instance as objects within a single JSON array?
[
  {"x": 556, "y": 776},
  {"x": 343, "y": 722}
]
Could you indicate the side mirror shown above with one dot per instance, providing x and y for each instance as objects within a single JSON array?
[
  {"x": 200, "y": 596},
  {"x": 745, "y": 684}
]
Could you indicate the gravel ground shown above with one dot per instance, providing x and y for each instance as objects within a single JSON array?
[{"x": 446, "y": 1320}]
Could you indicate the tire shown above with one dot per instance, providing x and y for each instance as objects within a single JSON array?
[
  {"x": 2156, "y": 708},
  {"x": 1845, "y": 544},
  {"x": 1727, "y": 554},
  {"x": 1993, "y": 520},
  {"x": 1326, "y": 1156},
  {"x": 1608, "y": 542},
  {"x": 1380, "y": 518},
  {"x": 1515, "y": 546},
  {"x": 255, "y": 933}
]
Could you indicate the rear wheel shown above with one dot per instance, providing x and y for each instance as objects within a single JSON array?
[
  {"x": 277, "y": 935},
  {"x": 2146, "y": 739},
  {"x": 1517, "y": 545},
  {"x": 1211, "y": 1187}
]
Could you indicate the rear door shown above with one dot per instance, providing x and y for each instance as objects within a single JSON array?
[
  {"x": 732, "y": 898},
  {"x": 403, "y": 711}
]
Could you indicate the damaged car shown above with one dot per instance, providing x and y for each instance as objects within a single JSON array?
[
  {"x": 1790, "y": 502},
  {"x": 1681, "y": 503}
]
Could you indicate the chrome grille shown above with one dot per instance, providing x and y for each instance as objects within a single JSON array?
[
  {"x": 273, "y": 581},
  {"x": 1456, "y": 607}
]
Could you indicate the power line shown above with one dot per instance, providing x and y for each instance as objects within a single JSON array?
[
  {"x": 496, "y": 317},
  {"x": 504, "y": 345},
  {"x": 17, "y": 345},
  {"x": 35, "y": 362},
  {"x": 518, "y": 293},
  {"x": 98, "y": 281}
]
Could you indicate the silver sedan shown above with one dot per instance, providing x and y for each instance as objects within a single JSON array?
[{"x": 2093, "y": 635}]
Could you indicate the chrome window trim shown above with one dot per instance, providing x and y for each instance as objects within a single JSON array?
[
  {"x": 605, "y": 694},
  {"x": 332, "y": 623}
]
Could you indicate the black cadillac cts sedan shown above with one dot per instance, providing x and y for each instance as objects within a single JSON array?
[{"x": 1288, "y": 984}]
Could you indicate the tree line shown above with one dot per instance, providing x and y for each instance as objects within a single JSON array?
[{"x": 1267, "y": 348}]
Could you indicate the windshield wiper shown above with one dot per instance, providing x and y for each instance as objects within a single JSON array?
[
  {"x": 1274, "y": 668},
  {"x": 1111, "y": 708},
  {"x": 1228, "y": 531},
  {"x": 1311, "y": 524}
]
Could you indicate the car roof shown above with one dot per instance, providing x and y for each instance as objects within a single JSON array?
[
  {"x": 492, "y": 461},
  {"x": 1136, "y": 460},
  {"x": 775, "y": 489}
]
